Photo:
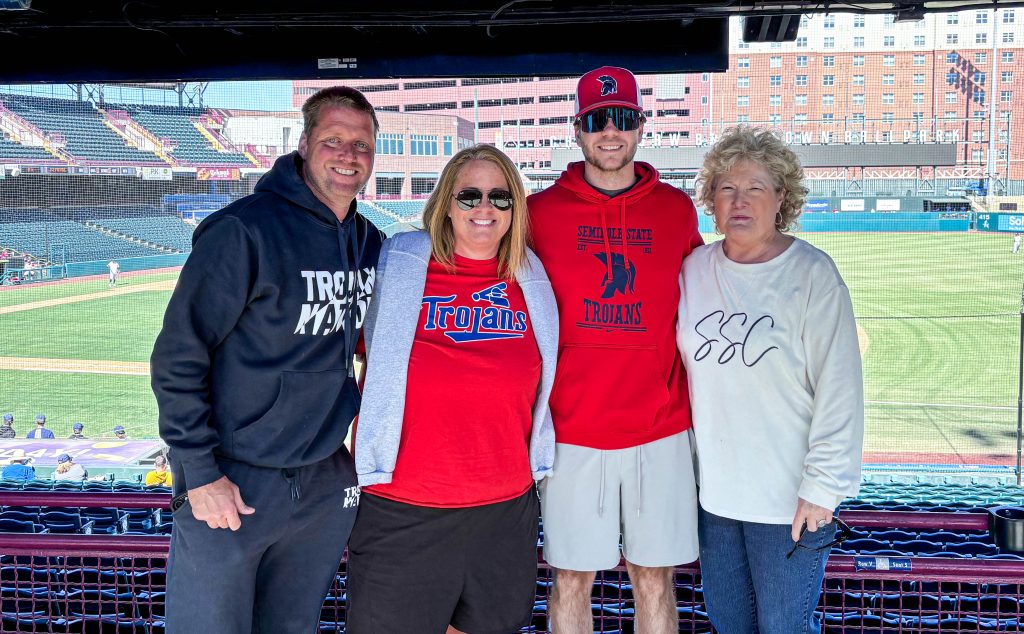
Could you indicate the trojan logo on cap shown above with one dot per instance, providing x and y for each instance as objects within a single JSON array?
[{"x": 606, "y": 87}]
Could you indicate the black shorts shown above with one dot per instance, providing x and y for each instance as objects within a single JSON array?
[{"x": 416, "y": 569}]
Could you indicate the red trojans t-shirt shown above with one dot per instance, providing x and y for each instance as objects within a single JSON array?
[{"x": 473, "y": 376}]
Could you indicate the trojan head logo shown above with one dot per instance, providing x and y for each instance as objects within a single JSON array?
[
  {"x": 608, "y": 85},
  {"x": 622, "y": 275}
]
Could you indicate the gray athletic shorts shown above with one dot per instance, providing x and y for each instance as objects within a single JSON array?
[{"x": 646, "y": 494}]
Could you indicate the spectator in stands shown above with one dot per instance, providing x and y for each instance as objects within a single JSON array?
[
  {"x": 620, "y": 409},
  {"x": 120, "y": 433},
  {"x": 7, "y": 429},
  {"x": 20, "y": 468},
  {"x": 68, "y": 469},
  {"x": 114, "y": 269},
  {"x": 160, "y": 476},
  {"x": 76, "y": 432},
  {"x": 767, "y": 331},
  {"x": 40, "y": 431},
  {"x": 254, "y": 377},
  {"x": 461, "y": 481}
]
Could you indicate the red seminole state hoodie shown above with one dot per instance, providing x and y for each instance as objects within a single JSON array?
[{"x": 620, "y": 381}]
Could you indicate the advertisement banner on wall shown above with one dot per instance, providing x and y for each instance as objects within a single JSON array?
[
  {"x": 887, "y": 204},
  {"x": 218, "y": 173},
  {"x": 816, "y": 204},
  {"x": 156, "y": 174},
  {"x": 851, "y": 204}
]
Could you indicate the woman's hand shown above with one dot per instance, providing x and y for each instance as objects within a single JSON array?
[{"x": 811, "y": 515}]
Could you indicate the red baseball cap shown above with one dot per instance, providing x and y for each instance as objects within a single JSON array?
[{"x": 607, "y": 86}]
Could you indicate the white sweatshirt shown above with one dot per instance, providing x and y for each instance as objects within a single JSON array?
[{"x": 775, "y": 379}]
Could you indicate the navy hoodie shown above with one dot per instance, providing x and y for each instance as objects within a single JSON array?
[{"x": 254, "y": 362}]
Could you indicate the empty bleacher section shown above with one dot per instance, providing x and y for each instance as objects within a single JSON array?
[
  {"x": 177, "y": 125},
  {"x": 403, "y": 209},
  {"x": 85, "y": 137},
  {"x": 163, "y": 230},
  {"x": 65, "y": 241},
  {"x": 375, "y": 214},
  {"x": 11, "y": 150}
]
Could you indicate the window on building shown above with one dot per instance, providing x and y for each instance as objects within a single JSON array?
[
  {"x": 704, "y": 100},
  {"x": 886, "y": 136},
  {"x": 858, "y": 60},
  {"x": 1006, "y": 57},
  {"x": 775, "y": 61},
  {"x": 888, "y": 98},
  {"x": 981, "y": 58},
  {"x": 801, "y": 42},
  {"x": 981, "y": 17},
  {"x": 888, "y": 117},
  {"x": 918, "y": 79},
  {"x": 950, "y": 97},
  {"x": 775, "y": 81},
  {"x": 976, "y": 155},
  {"x": 858, "y": 42},
  {"x": 743, "y": 118},
  {"x": 449, "y": 146},
  {"x": 827, "y": 118},
  {"x": 828, "y": 61},
  {"x": 800, "y": 118},
  {"x": 829, "y": 22},
  {"x": 829, "y": 42},
  {"x": 1008, "y": 37},
  {"x": 804, "y": 21},
  {"x": 888, "y": 80},
  {"x": 1008, "y": 16},
  {"x": 888, "y": 20},
  {"x": 742, "y": 101},
  {"x": 952, "y": 58},
  {"x": 828, "y": 100},
  {"x": 422, "y": 186},
  {"x": 889, "y": 41},
  {"x": 857, "y": 117},
  {"x": 951, "y": 38},
  {"x": 919, "y": 60},
  {"x": 801, "y": 61},
  {"x": 743, "y": 44},
  {"x": 775, "y": 119},
  {"x": 774, "y": 100},
  {"x": 1006, "y": 96},
  {"x": 389, "y": 187},
  {"x": 743, "y": 62},
  {"x": 980, "y": 77},
  {"x": 800, "y": 100},
  {"x": 979, "y": 115},
  {"x": 977, "y": 136},
  {"x": 918, "y": 40},
  {"x": 800, "y": 80},
  {"x": 857, "y": 99},
  {"x": 423, "y": 144},
  {"x": 828, "y": 80},
  {"x": 705, "y": 77},
  {"x": 952, "y": 18},
  {"x": 981, "y": 38},
  {"x": 858, "y": 21},
  {"x": 776, "y": 45},
  {"x": 390, "y": 143},
  {"x": 950, "y": 114},
  {"x": 857, "y": 80},
  {"x": 917, "y": 98},
  {"x": 888, "y": 60},
  {"x": 1006, "y": 76}
]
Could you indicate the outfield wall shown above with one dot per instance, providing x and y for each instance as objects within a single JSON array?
[
  {"x": 79, "y": 269},
  {"x": 894, "y": 222}
]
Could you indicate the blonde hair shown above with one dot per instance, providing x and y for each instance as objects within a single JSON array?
[
  {"x": 761, "y": 146},
  {"x": 512, "y": 248},
  {"x": 65, "y": 466}
]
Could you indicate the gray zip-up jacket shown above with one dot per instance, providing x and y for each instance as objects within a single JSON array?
[{"x": 390, "y": 328}]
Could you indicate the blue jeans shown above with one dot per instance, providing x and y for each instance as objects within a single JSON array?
[{"x": 749, "y": 585}]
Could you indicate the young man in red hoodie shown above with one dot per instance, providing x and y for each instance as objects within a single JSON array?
[{"x": 612, "y": 238}]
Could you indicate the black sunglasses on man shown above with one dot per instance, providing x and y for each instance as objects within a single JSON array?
[{"x": 625, "y": 119}]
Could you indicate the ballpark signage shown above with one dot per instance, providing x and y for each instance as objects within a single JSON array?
[
  {"x": 218, "y": 174},
  {"x": 90, "y": 453},
  {"x": 1011, "y": 223}
]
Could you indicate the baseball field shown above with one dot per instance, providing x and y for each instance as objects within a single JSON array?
[{"x": 938, "y": 314}]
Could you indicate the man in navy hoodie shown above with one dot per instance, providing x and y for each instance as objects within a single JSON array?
[{"x": 254, "y": 381}]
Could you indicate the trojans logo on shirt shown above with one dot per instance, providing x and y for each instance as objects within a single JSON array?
[{"x": 486, "y": 316}]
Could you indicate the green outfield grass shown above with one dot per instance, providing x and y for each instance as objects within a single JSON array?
[{"x": 940, "y": 311}]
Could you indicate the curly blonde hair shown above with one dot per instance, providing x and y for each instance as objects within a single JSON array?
[{"x": 761, "y": 146}]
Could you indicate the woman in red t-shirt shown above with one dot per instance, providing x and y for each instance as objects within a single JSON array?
[{"x": 454, "y": 428}]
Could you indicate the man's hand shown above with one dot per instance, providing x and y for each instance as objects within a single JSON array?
[
  {"x": 812, "y": 515},
  {"x": 219, "y": 504}
]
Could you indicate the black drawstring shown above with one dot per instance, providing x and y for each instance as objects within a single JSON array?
[
  {"x": 352, "y": 240},
  {"x": 293, "y": 484}
]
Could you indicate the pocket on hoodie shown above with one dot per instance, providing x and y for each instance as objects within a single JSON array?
[
  {"x": 304, "y": 416},
  {"x": 609, "y": 383}
]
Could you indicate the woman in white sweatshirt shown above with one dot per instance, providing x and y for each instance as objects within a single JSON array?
[{"x": 767, "y": 332}]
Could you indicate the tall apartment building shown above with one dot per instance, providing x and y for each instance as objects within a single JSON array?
[{"x": 848, "y": 78}]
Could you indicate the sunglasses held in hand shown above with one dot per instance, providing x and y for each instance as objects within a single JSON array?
[
  {"x": 842, "y": 534},
  {"x": 625, "y": 119},
  {"x": 470, "y": 197}
]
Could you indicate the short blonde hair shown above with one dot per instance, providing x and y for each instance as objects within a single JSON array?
[
  {"x": 512, "y": 248},
  {"x": 761, "y": 146}
]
